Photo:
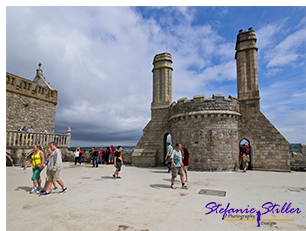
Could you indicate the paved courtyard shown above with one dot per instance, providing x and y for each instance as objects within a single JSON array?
[{"x": 143, "y": 200}]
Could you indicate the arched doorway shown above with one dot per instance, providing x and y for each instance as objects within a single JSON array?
[
  {"x": 247, "y": 151},
  {"x": 9, "y": 160}
]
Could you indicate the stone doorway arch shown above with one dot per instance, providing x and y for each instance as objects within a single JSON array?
[
  {"x": 9, "y": 160},
  {"x": 241, "y": 143}
]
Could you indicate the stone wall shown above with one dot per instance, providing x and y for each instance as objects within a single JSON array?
[
  {"x": 28, "y": 104},
  {"x": 298, "y": 159},
  {"x": 270, "y": 150},
  {"x": 208, "y": 128},
  {"x": 150, "y": 149}
]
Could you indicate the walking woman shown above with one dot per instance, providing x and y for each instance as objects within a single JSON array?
[
  {"x": 186, "y": 162},
  {"x": 77, "y": 156},
  {"x": 37, "y": 160}
]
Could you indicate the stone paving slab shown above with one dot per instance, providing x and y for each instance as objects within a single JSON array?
[{"x": 143, "y": 200}]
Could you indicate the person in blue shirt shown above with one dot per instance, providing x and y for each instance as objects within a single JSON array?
[{"x": 167, "y": 158}]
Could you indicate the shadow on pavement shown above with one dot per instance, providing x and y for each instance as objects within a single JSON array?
[
  {"x": 159, "y": 186},
  {"x": 159, "y": 171},
  {"x": 25, "y": 188},
  {"x": 107, "y": 177}
]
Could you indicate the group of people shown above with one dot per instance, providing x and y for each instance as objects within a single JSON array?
[
  {"x": 52, "y": 162},
  {"x": 31, "y": 129},
  {"x": 245, "y": 156},
  {"x": 177, "y": 163},
  {"x": 107, "y": 156}
]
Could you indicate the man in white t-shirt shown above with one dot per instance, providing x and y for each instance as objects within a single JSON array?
[{"x": 177, "y": 166}]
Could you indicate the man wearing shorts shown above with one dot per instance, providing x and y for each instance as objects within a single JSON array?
[
  {"x": 53, "y": 169},
  {"x": 118, "y": 162},
  {"x": 177, "y": 166}
]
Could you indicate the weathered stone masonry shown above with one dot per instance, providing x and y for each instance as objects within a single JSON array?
[
  {"x": 30, "y": 103},
  {"x": 212, "y": 128}
]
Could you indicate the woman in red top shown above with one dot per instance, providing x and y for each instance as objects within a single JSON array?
[{"x": 186, "y": 162}]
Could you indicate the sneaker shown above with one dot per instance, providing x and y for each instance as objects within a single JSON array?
[
  {"x": 185, "y": 186},
  {"x": 63, "y": 190},
  {"x": 118, "y": 177},
  {"x": 54, "y": 188},
  {"x": 33, "y": 190},
  {"x": 173, "y": 186},
  {"x": 114, "y": 175},
  {"x": 39, "y": 189},
  {"x": 44, "y": 194}
]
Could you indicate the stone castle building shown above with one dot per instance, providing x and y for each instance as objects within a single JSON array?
[
  {"x": 30, "y": 103},
  {"x": 212, "y": 128}
]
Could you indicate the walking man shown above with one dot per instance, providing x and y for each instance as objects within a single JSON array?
[
  {"x": 118, "y": 161},
  {"x": 177, "y": 166},
  {"x": 53, "y": 169}
]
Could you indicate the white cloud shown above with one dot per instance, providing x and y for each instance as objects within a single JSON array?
[{"x": 100, "y": 61}]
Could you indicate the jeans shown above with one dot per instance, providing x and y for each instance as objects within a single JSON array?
[
  {"x": 95, "y": 159},
  {"x": 169, "y": 166},
  {"x": 77, "y": 159}
]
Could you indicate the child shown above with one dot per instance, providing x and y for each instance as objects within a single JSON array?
[{"x": 243, "y": 160}]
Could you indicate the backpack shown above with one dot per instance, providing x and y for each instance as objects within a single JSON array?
[{"x": 244, "y": 159}]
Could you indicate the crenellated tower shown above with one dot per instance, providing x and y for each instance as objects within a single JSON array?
[{"x": 212, "y": 128}]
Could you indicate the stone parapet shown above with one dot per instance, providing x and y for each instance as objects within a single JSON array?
[
  {"x": 28, "y": 88},
  {"x": 200, "y": 106}
]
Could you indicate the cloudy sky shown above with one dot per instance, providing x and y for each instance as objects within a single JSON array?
[{"x": 100, "y": 61}]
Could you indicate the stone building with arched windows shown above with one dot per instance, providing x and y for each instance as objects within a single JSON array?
[{"x": 212, "y": 128}]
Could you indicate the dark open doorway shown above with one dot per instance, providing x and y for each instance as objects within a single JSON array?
[{"x": 246, "y": 148}]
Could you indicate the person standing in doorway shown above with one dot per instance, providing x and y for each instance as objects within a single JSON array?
[
  {"x": 54, "y": 168},
  {"x": 177, "y": 166},
  {"x": 168, "y": 155},
  {"x": 247, "y": 151},
  {"x": 243, "y": 161},
  {"x": 118, "y": 162}
]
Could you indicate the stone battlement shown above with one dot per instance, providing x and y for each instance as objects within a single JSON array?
[
  {"x": 200, "y": 106},
  {"x": 28, "y": 88}
]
